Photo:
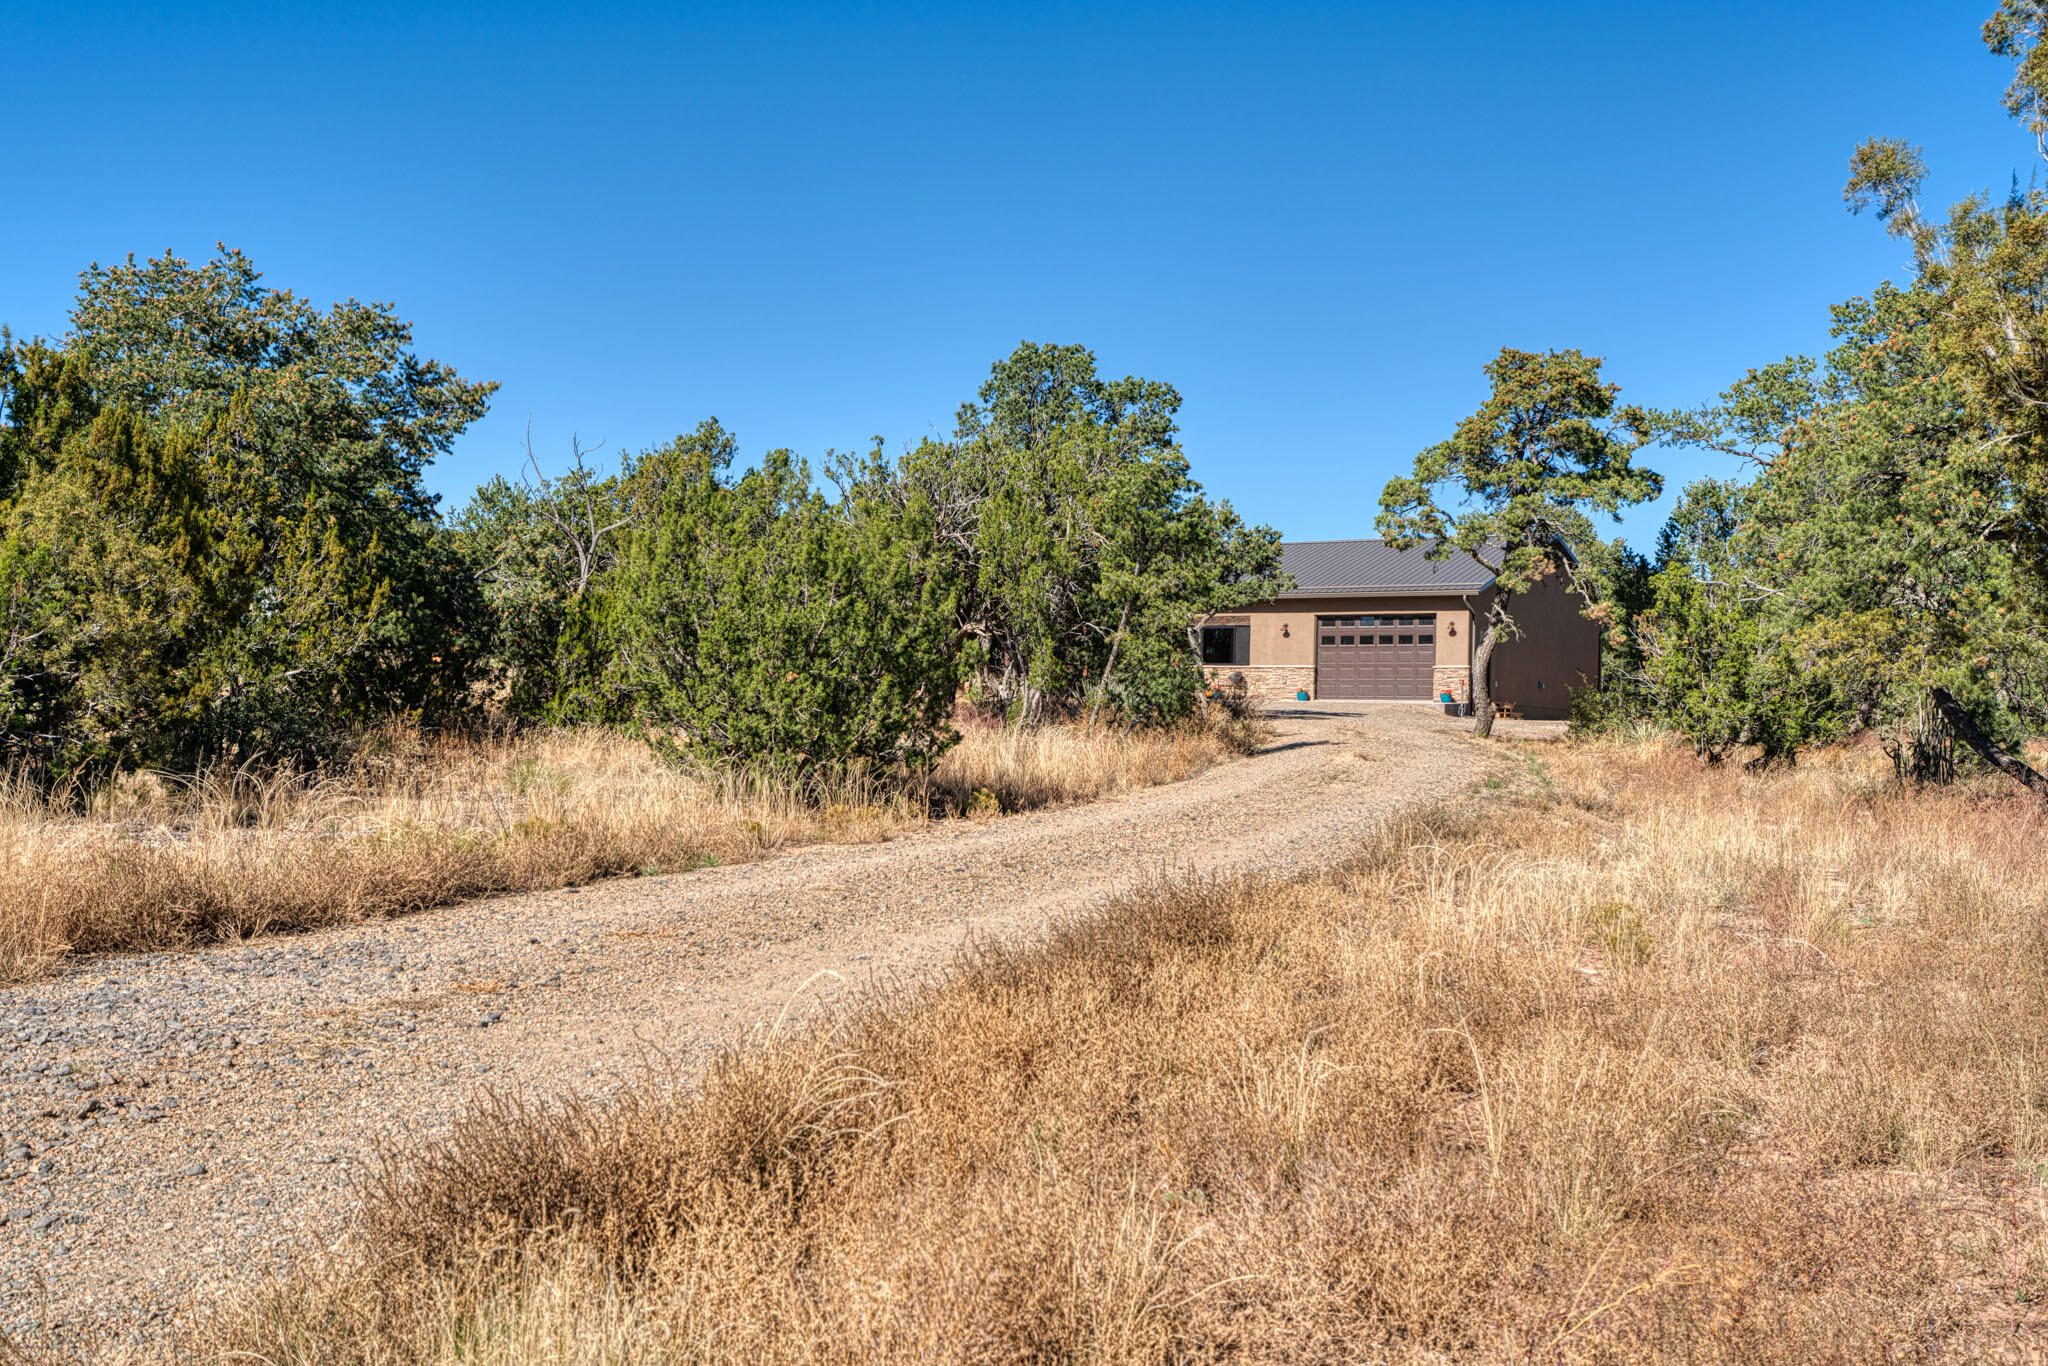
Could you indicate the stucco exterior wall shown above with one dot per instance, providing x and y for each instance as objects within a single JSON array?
[
  {"x": 1284, "y": 632},
  {"x": 1557, "y": 652},
  {"x": 1280, "y": 655}
]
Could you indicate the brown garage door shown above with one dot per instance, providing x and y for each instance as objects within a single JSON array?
[{"x": 1377, "y": 656}]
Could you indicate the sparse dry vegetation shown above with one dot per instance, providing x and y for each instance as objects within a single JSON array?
[
  {"x": 415, "y": 822},
  {"x": 1031, "y": 767},
  {"x": 1637, "y": 1062}
]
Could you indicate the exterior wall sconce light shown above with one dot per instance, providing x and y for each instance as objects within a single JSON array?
[
  {"x": 1283, "y": 629},
  {"x": 1452, "y": 629}
]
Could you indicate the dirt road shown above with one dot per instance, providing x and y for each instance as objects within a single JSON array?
[{"x": 173, "y": 1122}]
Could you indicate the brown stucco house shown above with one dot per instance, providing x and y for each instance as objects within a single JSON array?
[{"x": 1367, "y": 621}]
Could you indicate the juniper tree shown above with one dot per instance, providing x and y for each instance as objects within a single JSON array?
[
  {"x": 1081, "y": 545},
  {"x": 749, "y": 620},
  {"x": 151, "y": 582},
  {"x": 538, "y": 548},
  {"x": 274, "y": 452},
  {"x": 1870, "y": 563},
  {"x": 1514, "y": 484}
]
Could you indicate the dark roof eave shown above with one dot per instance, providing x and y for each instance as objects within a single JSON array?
[{"x": 1385, "y": 591}]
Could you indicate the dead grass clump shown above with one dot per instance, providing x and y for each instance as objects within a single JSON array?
[
  {"x": 414, "y": 822},
  {"x": 1645, "y": 1063}
]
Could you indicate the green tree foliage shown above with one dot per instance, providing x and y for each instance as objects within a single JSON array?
[
  {"x": 215, "y": 537},
  {"x": 1983, "y": 273},
  {"x": 1057, "y": 551},
  {"x": 1870, "y": 560},
  {"x": 1623, "y": 584},
  {"x": 216, "y": 534},
  {"x": 751, "y": 620},
  {"x": 538, "y": 549},
  {"x": 1705, "y": 663},
  {"x": 98, "y": 611},
  {"x": 1081, "y": 547},
  {"x": 1887, "y": 564},
  {"x": 1521, "y": 476}
]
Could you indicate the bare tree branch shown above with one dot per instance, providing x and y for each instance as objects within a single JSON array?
[{"x": 577, "y": 522}]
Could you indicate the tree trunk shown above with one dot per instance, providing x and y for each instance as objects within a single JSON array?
[
  {"x": 1115, "y": 643},
  {"x": 1482, "y": 685},
  {"x": 1483, "y": 668},
  {"x": 1195, "y": 648},
  {"x": 1925, "y": 750},
  {"x": 1959, "y": 721}
]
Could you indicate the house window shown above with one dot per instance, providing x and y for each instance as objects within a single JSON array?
[{"x": 1219, "y": 645}]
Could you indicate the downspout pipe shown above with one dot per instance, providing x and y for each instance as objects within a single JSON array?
[{"x": 1466, "y": 598}]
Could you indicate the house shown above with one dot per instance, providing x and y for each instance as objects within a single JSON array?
[{"x": 1367, "y": 621}]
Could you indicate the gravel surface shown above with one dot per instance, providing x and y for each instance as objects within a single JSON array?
[{"x": 172, "y": 1123}]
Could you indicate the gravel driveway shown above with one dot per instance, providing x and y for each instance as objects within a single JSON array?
[{"x": 173, "y": 1122}]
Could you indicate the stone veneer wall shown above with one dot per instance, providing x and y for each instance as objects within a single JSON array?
[
  {"x": 1279, "y": 682},
  {"x": 1266, "y": 682}
]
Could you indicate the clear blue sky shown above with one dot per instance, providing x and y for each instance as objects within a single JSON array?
[{"x": 822, "y": 223}]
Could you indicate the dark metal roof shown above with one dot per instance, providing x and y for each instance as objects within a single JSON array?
[{"x": 1322, "y": 567}]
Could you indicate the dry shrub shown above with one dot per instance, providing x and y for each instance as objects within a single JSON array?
[
  {"x": 415, "y": 822},
  {"x": 1646, "y": 1063}
]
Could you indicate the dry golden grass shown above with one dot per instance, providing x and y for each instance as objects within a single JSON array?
[
  {"x": 1628, "y": 1062},
  {"x": 996, "y": 769},
  {"x": 416, "y": 822}
]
